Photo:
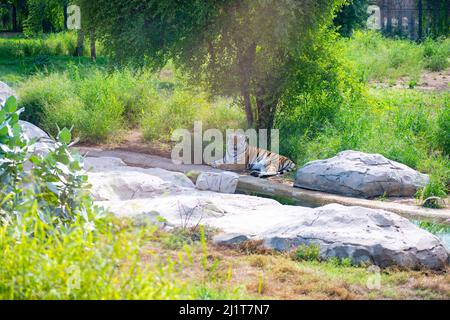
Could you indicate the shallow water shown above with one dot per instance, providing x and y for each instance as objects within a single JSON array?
[{"x": 445, "y": 237}]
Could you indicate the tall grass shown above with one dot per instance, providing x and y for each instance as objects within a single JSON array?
[
  {"x": 101, "y": 105},
  {"x": 375, "y": 57},
  {"x": 104, "y": 259},
  {"x": 52, "y": 44}
]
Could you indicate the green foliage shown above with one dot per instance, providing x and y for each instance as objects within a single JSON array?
[
  {"x": 182, "y": 108},
  {"x": 43, "y": 16},
  {"x": 308, "y": 252},
  {"x": 399, "y": 124},
  {"x": 443, "y": 129},
  {"x": 243, "y": 48},
  {"x": 435, "y": 18},
  {"x": 375, "y": 57},
  {"x": 101, "y": 105},
  {"x": 21, "y": 58},
  {"x": 53, "y": 44},
  {"x": 54, "y": 186},
  {"x": 434, "y": 228},
  {"x": 436, "y": 54},
  {"x": 351, "y": 16},
  {"x": 97, "y": 260},
  {"x": 436, "y": 187}
]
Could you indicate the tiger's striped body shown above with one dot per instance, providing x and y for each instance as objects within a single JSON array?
[{"x": 261, "y": 163}]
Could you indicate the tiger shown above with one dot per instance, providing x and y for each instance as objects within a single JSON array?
[{"x": 259, "y": 162}]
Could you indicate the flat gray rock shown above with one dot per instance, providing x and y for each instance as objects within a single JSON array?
[
  {"x": 223, "y": 182},
  {"x": 359, "y": 174}
]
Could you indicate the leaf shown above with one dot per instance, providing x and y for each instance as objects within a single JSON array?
[
  {"x": 11, "y": 104},
  {"x": 65, "y": 136}
]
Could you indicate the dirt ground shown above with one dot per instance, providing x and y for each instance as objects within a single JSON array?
[{"x": 429, "y": 81}]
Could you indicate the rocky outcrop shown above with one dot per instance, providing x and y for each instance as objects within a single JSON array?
[
  {"x": 359, "y": 174},
  {"x": 360, "y": 234}
]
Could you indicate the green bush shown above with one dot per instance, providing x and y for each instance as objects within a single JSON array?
[
  {"x": 443, "y": 129},
  {"x": 101, "y": 105},
  {"x": 56, "y": 185},
  {"x": 182, "y": 107},
  {"x": 307, "y": 252},
  {"x": 437, "y": 54},
  {"x": 92, "y": 105},
  {"x": 39, "y": 93}
]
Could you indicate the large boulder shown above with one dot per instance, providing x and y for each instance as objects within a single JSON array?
[
  {"x": 43, "y": 142},
  {"x": 359, "y": 174},
  {"x": 360, "y": 234}
]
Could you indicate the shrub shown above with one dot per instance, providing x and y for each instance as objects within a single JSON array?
[
  {"x": 182, "y": 108},
  {"x": 436, "y": 187},
  {"x": 101, "y": 105},
  {"x": 39, "y": 93},
  {"x": 56, "y": 183},
  {"x": 52, "y": 44},
  {"x": 436, "y": 54},
  {"x": 308, "y": 252}
]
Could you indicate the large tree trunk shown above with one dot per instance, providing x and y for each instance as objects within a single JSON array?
[
  {"x": 65, "y": 15},
  {"x": 80, "y": 44},
  {"x": 420, "y": 31},
  {"x": 14, "y": 18},
  {"x": 93, "y": 47},
  {"x": 248, "y": 107},
  {"x": 266, "y": 110},
  {"x": 246, "y": 60}
]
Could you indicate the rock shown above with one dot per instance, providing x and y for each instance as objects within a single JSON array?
[
  {"x": 43, "y": 141},
  {"x": 5, "y": 93},
  {"x": 359, "y": 174},
  {"x": 103, "y": 163},
  {"x": 230, "y": 238},
  {"x": 223, "y": 182},
  {"x": 360, "y": 234},
  {"x": 363, "y": 235},
  {"x": 135, "y": 184}
]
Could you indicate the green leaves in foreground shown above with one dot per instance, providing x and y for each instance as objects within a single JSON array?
[{"x": 53, "y": 182}]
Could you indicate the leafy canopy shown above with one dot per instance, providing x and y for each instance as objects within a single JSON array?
[{"x": 243, "y": 48}]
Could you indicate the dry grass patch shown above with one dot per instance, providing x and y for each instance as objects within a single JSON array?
[{"x": 250, "y": 272}]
